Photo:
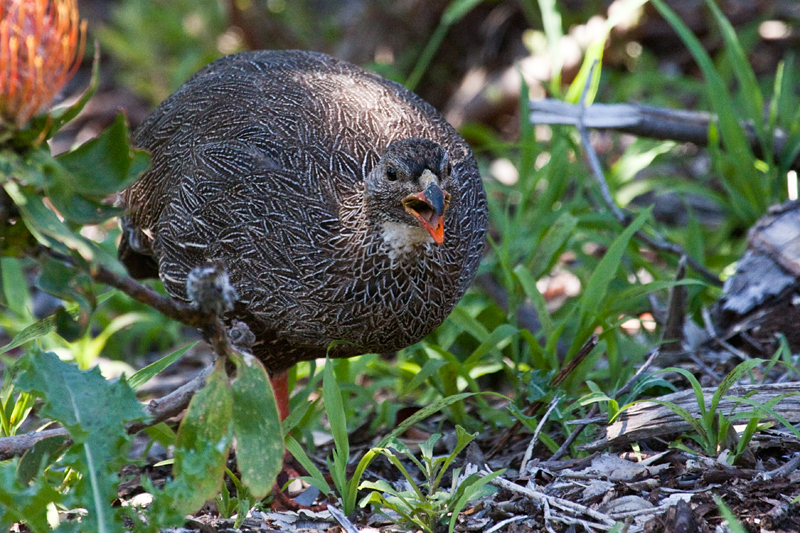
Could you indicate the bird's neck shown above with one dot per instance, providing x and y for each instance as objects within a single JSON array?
[
  {"x": 397, "y": 239},
  {"x": 402, "y": 239}
]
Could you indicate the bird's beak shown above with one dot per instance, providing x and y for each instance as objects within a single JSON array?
[{"x": 428, "y": 206}]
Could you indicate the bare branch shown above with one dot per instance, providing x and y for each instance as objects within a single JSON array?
[{"x": 647, "y": 121}]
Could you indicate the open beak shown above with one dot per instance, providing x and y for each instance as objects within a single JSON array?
[{"x": 428, "y": 208}]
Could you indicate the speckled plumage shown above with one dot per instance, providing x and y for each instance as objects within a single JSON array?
[{"x": 263, "y": 160}]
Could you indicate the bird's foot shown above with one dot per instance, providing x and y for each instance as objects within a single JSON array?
[{"x": 281, "y": 501}]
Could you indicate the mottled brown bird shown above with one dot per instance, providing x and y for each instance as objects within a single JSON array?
[{"x": 344, "y": 207}]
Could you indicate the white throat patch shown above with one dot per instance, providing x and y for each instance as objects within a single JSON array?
[{"x": 402, "y": 238}]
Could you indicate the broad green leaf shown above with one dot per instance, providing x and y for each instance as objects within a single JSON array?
[
  {"x": 147, "y": 373},
  {"x": 66, "y": 282},
  {"x": 35, "y": 460},
  {"x": 202, "y": 444},
  {"x": 105, "y": 164},
  {"x": 161, "y": 433},
  {"x": 45, "y": 225},
  {"x": 22, "y": 502},
  {"x": 71, "y": 329},
  {"x": 15, "y": 287},
  {"x": 74, "y": 206},
  {"x": 95, "y": 412},
  {"x": 256, "y": 426}
]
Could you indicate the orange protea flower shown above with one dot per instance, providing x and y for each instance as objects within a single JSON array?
[{"x": 41, "y": 47}]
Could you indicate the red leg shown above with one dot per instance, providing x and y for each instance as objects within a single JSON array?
[{"x": 280, "y": 386}]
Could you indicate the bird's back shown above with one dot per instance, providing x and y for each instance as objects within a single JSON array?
[{"x": 259, "y": 161}]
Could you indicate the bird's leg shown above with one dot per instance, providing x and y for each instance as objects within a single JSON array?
[{"x": 280, "y": 386}]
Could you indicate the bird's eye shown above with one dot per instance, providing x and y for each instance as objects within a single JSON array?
[{"x": 391, "y": 174}]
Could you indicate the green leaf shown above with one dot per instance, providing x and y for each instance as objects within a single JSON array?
[
  {"x": 74, "y": 206},
  {"x": 316, "y": 477},
  {"x": 204, "y": 439},
  {"x": 64, "y": 115},
  {"x": 455, "y": 10},
  {"x": 147, "y": 373},
  {"x": 624, "y": 297},
  {"x": 69, "y": 328},
  {"x": 706, "y": 438},
  {"x": 334, "y": 408},
  {"x": 597, "y": 287},
  {"x": 753, "y": 99},
  {"x": 696, "y": 387},
  {"x": 430, "y": 367},
  {"x": 594, "y": 55},
  {"x": 35, "y": 460},
  {"x": 528, "y": 283},
  {"x": 48, "y": 325},
  {"x": 551, "y": 21},
  {"x": 749, "y": 196},
  {"x": 65, "y": 282},
  {"x": 15, "y": 287},
  {"x": 45, "y": 225},
  {"x": 94, "y": 412},
  {"x": 768, "y": 407},
  {"x": 24, "y": 503},
  {"x": 472, "y": 491},
  {"x": 78, "y": 182},
  {"x": 733, "y": 524},
  {"x": 105, "y": 164},
  {"x": 161, "y": 433},
  {"x": 256, "y": 426},
  {"x": 730, "y": 380},
  {"x": 500, "y": 334},
  {"x": 551, "y": 245}
]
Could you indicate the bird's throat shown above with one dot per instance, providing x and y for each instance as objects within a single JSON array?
[{"x": 403, "y": 239}]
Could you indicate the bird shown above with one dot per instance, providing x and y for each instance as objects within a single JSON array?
[{"x": 349, "y": 215}]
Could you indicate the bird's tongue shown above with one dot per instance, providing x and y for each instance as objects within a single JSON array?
[
  {"x": 419, "y": 206},
  {"x": 434, "y": 226}
]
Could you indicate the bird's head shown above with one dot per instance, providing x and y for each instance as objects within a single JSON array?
[{"x": 408, "y": 190}]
